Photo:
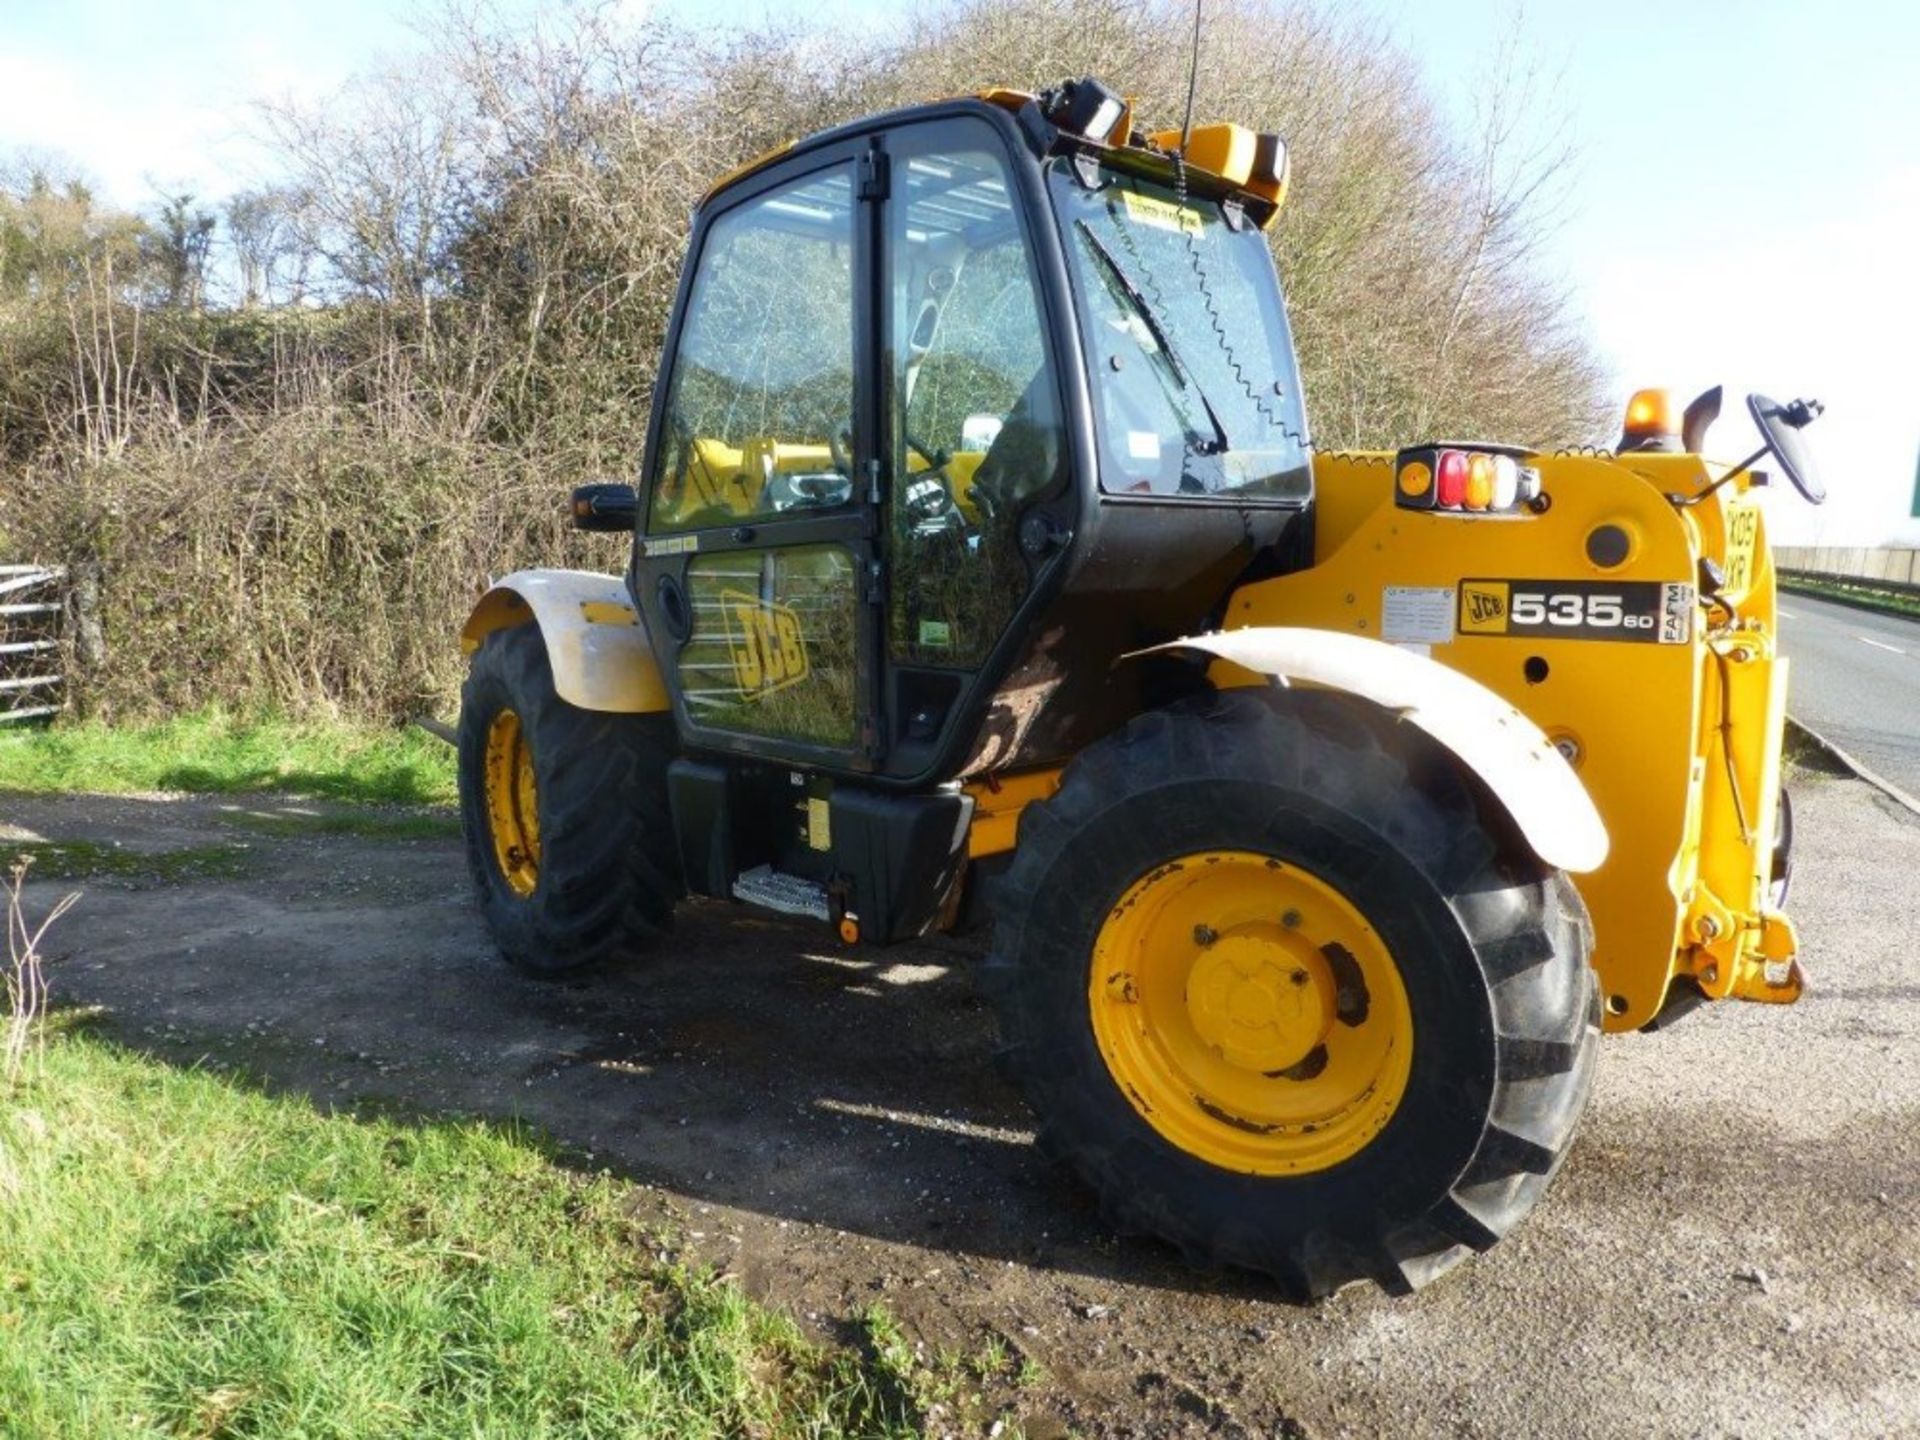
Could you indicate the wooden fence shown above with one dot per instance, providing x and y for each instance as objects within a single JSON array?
[{"x": 32, "y": 602}]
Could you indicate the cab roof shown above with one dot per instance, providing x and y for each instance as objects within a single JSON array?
[{"x": 1252, "y": 166}]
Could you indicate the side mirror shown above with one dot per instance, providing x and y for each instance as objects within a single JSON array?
[
  {"x": 606, "y": 506},
  {"x": 1780, "y": 426}
]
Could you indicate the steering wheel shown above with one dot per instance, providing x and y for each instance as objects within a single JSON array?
[
  {"x": 936, "y": 458},
  {"x": 838, "y": 452},
  {"x": 838, "y": 443}
]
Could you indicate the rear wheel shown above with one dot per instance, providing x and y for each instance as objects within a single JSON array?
[
  {"x": 1288, "y": 995},
  {"x": 564, "y": 810}
]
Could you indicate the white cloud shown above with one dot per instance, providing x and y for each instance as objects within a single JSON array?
[
  {"x": 118, "y": 138},
  {"x": 169, "y": 106}
]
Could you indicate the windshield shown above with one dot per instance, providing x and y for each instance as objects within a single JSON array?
[{"x": 1193, "y": 378}]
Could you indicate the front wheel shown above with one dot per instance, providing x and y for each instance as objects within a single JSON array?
[
  {"x": 568, "y": 833},
  {"x": 1287, "y": 994}
]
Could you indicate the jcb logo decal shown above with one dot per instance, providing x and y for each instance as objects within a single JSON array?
[
  {"x": 1483, "y": 607},
  {"x": 764, "y": 640}
]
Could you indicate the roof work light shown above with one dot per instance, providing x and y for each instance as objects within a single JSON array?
[{"x": 1084, "y": 107}]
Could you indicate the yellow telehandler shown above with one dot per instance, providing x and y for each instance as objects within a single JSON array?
[{"x": 984, "y": 573}]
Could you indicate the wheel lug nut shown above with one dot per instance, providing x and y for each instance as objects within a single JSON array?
[
  {"x": 1299, "y": 977},
  {"x": 1291, "y": 919},
  {"x": 1204, "y": 935}
]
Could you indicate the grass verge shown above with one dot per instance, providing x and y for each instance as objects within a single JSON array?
[
  {"x": 1865, "y": 595},
  {"x": 182, "y": 1256},
  {"x": 86, "y": 860},
  {"x": 212, "y": 751}
]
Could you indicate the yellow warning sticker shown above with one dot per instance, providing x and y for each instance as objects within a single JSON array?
[
  {"x": 1161, "y": 214},
  {"x": 608, "y": 612}
]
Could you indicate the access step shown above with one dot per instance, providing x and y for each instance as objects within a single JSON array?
[{"x": 769, "y": 889}]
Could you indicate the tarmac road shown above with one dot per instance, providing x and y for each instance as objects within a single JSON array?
[{"x": 1856, "y": 682}]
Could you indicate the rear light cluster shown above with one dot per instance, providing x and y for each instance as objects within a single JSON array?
[{"x": 1472, "y": 481}]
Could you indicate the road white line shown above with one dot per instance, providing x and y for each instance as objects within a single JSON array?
[
  {"x": 1879, "y": 645},
  {"x": 1785, "y": 614}
]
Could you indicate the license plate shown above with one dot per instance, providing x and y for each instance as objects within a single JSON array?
[
  {"x": 1743, "y": 533},
  {"x": 1654, "y": 611}
]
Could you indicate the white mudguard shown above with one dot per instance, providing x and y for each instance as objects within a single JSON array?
[
  {"x": 596, "y": 641},
  {"x": 1499, "y": 744}
]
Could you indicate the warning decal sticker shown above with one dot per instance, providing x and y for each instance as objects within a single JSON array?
[{"x": 1420, "y": 613}]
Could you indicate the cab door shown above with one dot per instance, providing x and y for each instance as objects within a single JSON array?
[
  {"x": 972, "y": 422},
  {"x": 756, "y": 559}
]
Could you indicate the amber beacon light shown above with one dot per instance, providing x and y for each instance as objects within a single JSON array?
[{"x": 1652, "y": 422}]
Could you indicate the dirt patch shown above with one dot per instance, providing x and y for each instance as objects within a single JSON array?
[{"x": 826, "y": 1125}]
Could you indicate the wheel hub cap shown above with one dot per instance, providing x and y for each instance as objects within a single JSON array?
[{"x": 1260, "y": 1003}]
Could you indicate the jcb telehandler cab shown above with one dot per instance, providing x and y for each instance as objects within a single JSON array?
[{"x": 983, "y": 567}]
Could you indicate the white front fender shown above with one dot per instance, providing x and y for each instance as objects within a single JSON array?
[
  {"x": 1499, "y": 744},
  {"x": 596, "y": 641}
]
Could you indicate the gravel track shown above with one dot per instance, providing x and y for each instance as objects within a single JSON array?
[{"x": 1731, "y": 1249}]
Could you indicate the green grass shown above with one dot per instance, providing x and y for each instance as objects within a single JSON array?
[
  {"x": 211, "y": 751},
  {"x": 1866, "y": 593},
  {"x": 949, "y": 1384},
  {"x": 182, "y": 1256},
  {"x": 86, "y": 860}
]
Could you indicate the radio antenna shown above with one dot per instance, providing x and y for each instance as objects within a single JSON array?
[{"x": 1193, "y": 74}]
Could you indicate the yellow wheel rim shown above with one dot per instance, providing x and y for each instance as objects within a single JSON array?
[
  {"x": 513, "y": 803},
  {"x": 1250, "y": 1014}
]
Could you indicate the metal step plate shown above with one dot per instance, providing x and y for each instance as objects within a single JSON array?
[{"x": 789, "y": 894}]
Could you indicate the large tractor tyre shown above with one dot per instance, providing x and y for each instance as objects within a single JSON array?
[
  {"x": 1289, "y": 992},
  {"x": 568, "y": 832}
]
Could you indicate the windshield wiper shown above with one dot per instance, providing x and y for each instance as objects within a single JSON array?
[{"x": 1218, "y": 445}]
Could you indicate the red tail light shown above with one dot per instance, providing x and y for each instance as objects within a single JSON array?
[{"x": 1450, "y": 471}]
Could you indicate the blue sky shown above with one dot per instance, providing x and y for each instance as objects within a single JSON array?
[{"x": 1744, "y": 205}]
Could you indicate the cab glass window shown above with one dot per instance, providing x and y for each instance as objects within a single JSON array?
[
  {"x": 759, "y": 414},
  {"x": 1191, "y": 363},
  {"x": 976, "y": 426}
]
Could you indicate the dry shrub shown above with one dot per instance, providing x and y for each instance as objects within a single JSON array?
[
  {"x": 26, "y": 982},
  {"x": 296, "y": 563},
  {"x": 292, "y": 506}
]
